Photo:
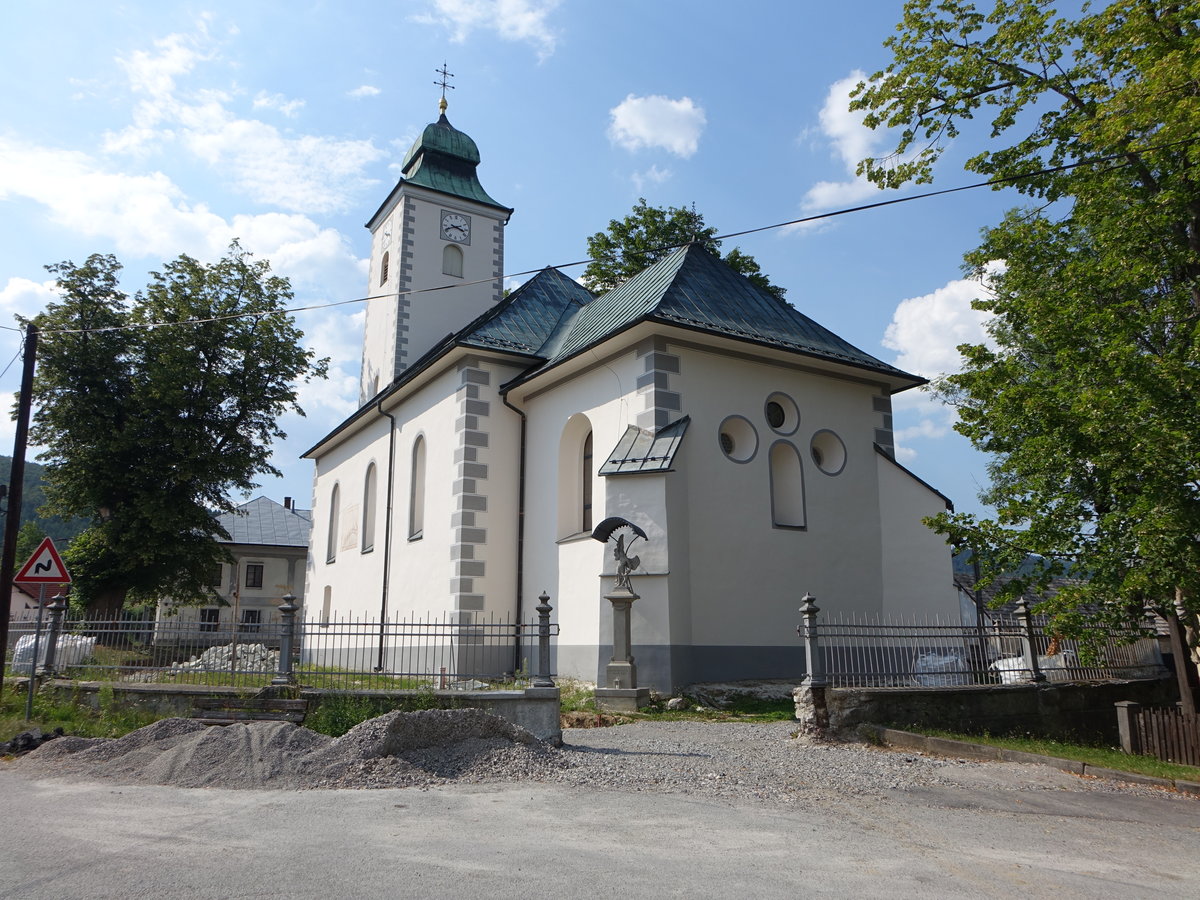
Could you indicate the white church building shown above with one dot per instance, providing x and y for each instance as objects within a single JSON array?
[{"x": 753, "y": 446}]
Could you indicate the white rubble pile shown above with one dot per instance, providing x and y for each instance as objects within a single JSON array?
[
  {"x": 72, "y": 650},
  {"x": 1058, "y": 667},
  {"x": 250, "y": 658}
]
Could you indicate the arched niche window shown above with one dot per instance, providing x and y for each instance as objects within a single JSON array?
[
  {"x": 452, "y": 260},
  {"x": 416, "y": 491},
  {"x": 585, "y": 482},
  {"x": 576, "y": 477},
  {"x": 787, "y": 486},
  {"x": 368, "y": 510},
  {"x": 326, "y": 603},
  {"x": 331, "y": 538},
  {"x": 383, "y": 269}
]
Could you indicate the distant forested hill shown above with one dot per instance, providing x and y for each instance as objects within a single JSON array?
[{"x": 34, "y": 496}]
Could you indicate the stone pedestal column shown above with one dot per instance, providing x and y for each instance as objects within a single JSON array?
[
  {"x": 621, "y": 671},
  {"x": 621, "y": 692}
]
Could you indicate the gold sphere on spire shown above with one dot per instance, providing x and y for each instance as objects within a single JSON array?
[{"x": 442, "y": 104}]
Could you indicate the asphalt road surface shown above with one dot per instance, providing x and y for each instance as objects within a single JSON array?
[{"x": 94, "y": 840}]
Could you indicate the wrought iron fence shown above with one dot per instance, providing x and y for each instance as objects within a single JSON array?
[
  {"x": 853, "y": 651},
  {"x": 454, "y": 650}
]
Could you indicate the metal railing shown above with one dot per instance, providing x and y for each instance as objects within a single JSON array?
[
  {"x": 453, "y": 650},
  {"x": 870, "y": 652}
]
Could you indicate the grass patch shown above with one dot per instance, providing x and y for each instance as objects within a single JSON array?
[
  {"x": 335, "y": 714},
  {"x": 580, "y": 697},
  {"x": 1093, "y": 755},
  {"x": 737, "y": 709},
  {"x": 576, "y": 696},
  {"x": 338, "y": 714},
  {"x": 73, "y": 717}
]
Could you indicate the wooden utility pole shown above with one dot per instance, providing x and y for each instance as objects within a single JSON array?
[{"x": 16, "y": 486}]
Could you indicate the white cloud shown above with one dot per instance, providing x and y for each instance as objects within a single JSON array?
[
  {"x": 8, "y": 428},
  {"x": 25, "y": 298},
  {"x": 307, "y": 173},
  {"x": 926, "y": 331},
  {"x": 926, "y": 428},
  {"x": 295, "y": 172},
  {"x": 338, "y": 336},
  {"x": 154, "y": 73},
  {"x": 850, "y": 141},
  {"x": 653, "y": 175},
  {"x": 657, "y": 121},
  {"x": 149, "y": 216},
  {"x": 364, "y": 90},
  {"x": 511, "y": 20},
  {"x": 289, "y": 108}
]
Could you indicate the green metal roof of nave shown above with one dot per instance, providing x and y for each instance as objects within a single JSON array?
[
  {"x": 694, "y": 289},
  {"x": 530, "y": 316}
]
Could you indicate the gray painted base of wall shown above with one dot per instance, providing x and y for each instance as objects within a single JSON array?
[{"x": 670, "y": 668}]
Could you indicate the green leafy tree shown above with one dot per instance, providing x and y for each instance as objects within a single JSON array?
[
  {"x": 1089, "y": 395},
  {"x": 29, "y": 538},
  {"x": 33, "y": 498},
  {"x": 155, "y": 409},
  {"x": 648, "y": 234}
]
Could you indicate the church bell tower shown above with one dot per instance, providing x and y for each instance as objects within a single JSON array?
[{"x": 437, "y": 254}]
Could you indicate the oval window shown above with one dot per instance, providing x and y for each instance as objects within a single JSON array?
[
  {"x": 828, "y": 452},
  {"x": 738, "y": 439},
  {"x": 782, "y": 414}
]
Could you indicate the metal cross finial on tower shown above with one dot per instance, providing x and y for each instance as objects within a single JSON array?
[{"x": 444, "y": 84}]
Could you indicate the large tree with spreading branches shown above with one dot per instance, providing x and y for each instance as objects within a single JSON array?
[
  {"x": 1089, "y": 397},
  {"x": 648, "y": 234},
  {"x": 154, "y": 410}
]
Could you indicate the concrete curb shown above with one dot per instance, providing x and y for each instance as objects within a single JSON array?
[{"x": 965, "y": 750}]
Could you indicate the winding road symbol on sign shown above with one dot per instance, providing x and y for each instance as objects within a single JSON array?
[{"x": 45, "y": 566}]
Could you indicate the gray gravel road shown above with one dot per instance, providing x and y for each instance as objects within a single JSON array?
[{"x": 649, "y": 810}]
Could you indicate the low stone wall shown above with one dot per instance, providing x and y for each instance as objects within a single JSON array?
[
  {"x": 534, "y": 709},
  {"x": 1063, "y": 711}
]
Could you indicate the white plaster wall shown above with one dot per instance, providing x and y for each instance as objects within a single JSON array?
[
  {"x": 379, "y": 330},
  {"x": 278, "y": 565},
  {"x": 276, "y": 581},
  {"x": 678, "y": 514},
  {"x": 501, "y": 487},
  {"x": 439, "y": 313},
  {"x": 747, "y": 576},
  {"x": 354, "y": 576},
  {"x": 421, "y": 569},
  {"x": 434, "y": 315},
  {"x": 568, "y": 567},
  {"x": 642, "y": 499},
  {"x": 919, "y": 577}
]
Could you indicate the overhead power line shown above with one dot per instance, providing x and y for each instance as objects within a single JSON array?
[{"x": 816, "y": 217}]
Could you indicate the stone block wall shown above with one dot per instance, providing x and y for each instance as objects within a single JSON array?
[{"x": 1064, "y": 711}]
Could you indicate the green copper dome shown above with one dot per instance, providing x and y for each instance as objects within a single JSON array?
[
  {"x": 444, "y": 159},
  {"x": 442, "y": 137}
]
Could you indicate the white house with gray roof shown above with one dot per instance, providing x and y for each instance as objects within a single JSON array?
[
  {"x": 269, "y": 545},
  {"x": 753, "y": 446}
]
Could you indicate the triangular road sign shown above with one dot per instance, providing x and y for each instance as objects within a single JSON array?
[{"x": 44, "y": 567}]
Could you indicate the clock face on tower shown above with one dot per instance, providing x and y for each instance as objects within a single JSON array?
[{"x": 456, "y": 227}]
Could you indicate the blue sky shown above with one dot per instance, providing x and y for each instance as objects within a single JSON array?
[{"x": 153, "y": 129}]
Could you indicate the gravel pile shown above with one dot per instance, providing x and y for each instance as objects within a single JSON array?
[
  {"x": 760, "y": 761},
  {"x": 735, "y": 761},
  {"x": 394, "y": 750}
]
